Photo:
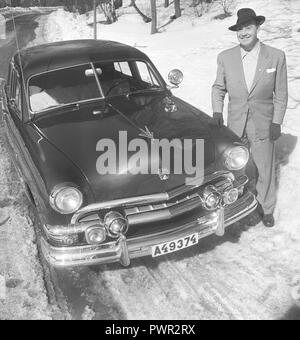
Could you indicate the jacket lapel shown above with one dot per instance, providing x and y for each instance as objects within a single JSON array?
[
  {"x": 238, "y": 65},
  {"x": 262, "y": 63}
]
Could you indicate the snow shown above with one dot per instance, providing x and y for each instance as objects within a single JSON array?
[
  {"x": 18, "y": 10},
  {"x": 22, "y": 291},
  {"x": 252, "y": 273}
]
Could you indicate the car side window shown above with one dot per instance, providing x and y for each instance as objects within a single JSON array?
[
  {"x": 123, "y": 67},
  {"x": 146, "y": 74}
]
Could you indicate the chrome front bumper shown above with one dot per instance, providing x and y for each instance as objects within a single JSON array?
[{"x": 123, "y": 250}]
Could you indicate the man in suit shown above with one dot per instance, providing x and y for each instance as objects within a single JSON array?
[{"x": 255, "y": 77}]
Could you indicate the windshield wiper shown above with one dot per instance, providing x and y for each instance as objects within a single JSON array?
[
  {"x": 144, "y": 91},
  {"x": 74, "y": 106}
]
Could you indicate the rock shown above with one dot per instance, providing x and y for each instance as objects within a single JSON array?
[{"x": 13, "y": 283}]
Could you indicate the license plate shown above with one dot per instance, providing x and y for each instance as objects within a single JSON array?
[{"x": 172, "y": 246}]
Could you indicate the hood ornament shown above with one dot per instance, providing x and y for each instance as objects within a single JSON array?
[{"x": 146, "y": 133}]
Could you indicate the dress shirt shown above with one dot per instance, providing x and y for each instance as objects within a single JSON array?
[{"x": 249, "y": 60}]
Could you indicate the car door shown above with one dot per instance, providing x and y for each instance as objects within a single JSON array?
[
  {"x": 14, "y": 124},
  {"x": 17, "y": 135}
]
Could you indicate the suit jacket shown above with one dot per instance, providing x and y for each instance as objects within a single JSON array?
[{"x": 267, "y": 99}]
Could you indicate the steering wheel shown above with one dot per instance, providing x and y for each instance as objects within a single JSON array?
[{"x": 117, "y": 83}]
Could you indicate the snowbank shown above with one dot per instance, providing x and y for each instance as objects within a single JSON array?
[
  {"x": 22, "y": 291},
  {"x": 7, "y": 12}
]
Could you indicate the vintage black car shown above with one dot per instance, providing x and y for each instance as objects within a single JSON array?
[{"x": 62, "y": 100}]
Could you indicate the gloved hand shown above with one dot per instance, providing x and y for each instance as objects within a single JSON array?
[
  {"x": 275, "y": 131},
  {"x": 218, "y": 119}
]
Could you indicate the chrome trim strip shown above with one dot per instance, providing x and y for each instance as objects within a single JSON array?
[
  {"x": 186, "y": 188},
  {"x": 147, "y": 199},
  {"x": 122, "y": 250},
  {"x": 61, "y": 230},
  {"x": 123, "y": 202}
]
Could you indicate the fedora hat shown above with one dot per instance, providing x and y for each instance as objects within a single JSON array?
[{"x": 246, "y": 15}]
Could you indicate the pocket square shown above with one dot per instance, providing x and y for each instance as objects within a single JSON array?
[{"x": 270, "y": 70}]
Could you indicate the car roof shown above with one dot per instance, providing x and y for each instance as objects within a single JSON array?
[{"x": 47, "y": 57}]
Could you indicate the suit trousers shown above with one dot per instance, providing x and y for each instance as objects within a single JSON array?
[{"x": 263, "y": 156}]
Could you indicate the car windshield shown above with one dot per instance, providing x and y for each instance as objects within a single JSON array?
[{"x": 87, "y": 82}]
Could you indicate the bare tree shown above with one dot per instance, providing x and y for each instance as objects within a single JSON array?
[
  {"x": 196, "y": 3},
  {"x": 154, "y": 17},
  {"x": 201, "y": 6},
  {"x": 226, "y": 5},
  {"x": 177, "y": 8},
  {"x": 145, "y": 18},
  {"x": 109, "y": 10}
]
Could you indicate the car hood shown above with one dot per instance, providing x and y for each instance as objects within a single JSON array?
[{"x": 77, "y": 134}]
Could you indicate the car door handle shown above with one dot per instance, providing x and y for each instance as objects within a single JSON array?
[
  {"x": 100, "y": 112},
  {"x": 97, "y": 112}
]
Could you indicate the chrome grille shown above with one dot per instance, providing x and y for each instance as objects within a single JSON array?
[{"x": 161, "y": 211}]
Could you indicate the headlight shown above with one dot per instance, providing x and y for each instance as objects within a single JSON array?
[
  {"x": 236, "y": 157},
  {"x": 66, "y": 199}
]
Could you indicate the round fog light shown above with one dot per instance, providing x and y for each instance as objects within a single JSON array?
[
  {"x": 115, "y": 224},
  {"x": 70, "y": 240},
  {"x": 212, "y": 201},
  {"x": 231, "y": 196},
  {"x": 95, "y": 235},
  {"x": 211, "y": 198}
]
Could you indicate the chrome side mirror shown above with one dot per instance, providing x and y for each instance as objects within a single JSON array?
[{"x": 175, "y": 77}]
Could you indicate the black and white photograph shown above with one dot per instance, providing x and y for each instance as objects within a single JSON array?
[{"x": 149, "y": 162}]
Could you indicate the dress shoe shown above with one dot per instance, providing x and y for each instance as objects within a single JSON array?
[{"x": 268, "y": 220}]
